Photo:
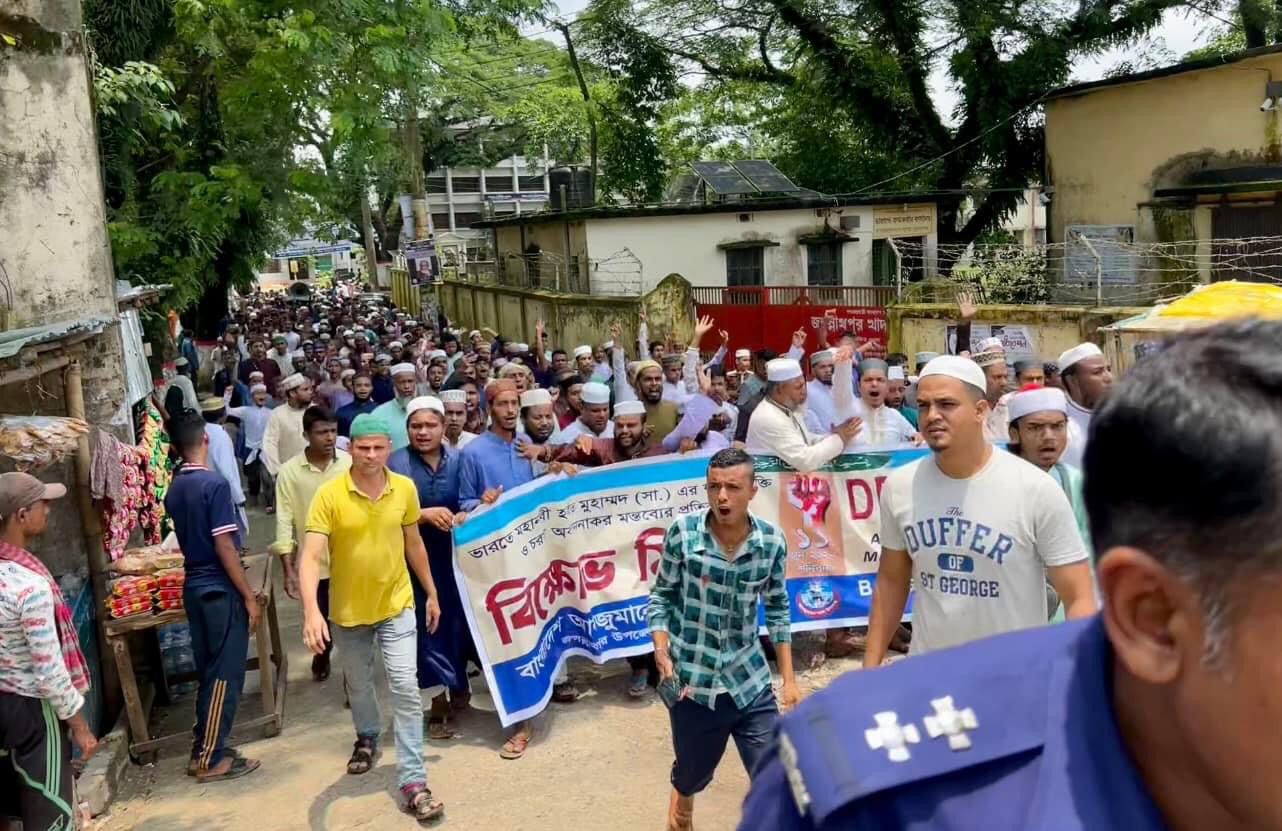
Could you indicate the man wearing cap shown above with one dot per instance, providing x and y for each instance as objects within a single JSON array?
[
  {"x": 594, "y": 414},
  {"x": 362, "y": 402},
  {"x": 394, "y": 412},
  {"x": 1029, "y": 372},
  {"x": 296, "y": 484},
  {"x": 883, "y": 427},
  {"x": 43, "y": 674},
  {"x": 221, "y": 607},
  {"x": 674, "y": 386},
  {"x": 776, "y": 428},
  {"x": 977, "y": 532},
  {"x": 368, "y": 519},
  {"x": 661, "y": 416},
  {"x": 443, "y": 654},
  {"x": 583, "y": 362},
  {"x": 896, "y": 389},
  {"x": 628, "y": 441},
  {"x": 1087, "y": 378},
  {"x": 281, "y": 355},
  {"x": 569, "y": 401},
  {"x": 283, "y": 439},
  {"x": 333, "y": 394},
  {"x": 993, "y": 363},
  {"x": 538, "y": 428},
  {"x": 222, "y": 455},
  {"x": 821, "y": 412},
  {"x": 455, "y": 403}
]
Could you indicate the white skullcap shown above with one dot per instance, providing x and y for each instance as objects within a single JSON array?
[
  {"x": 454, "y": 397},
  {"x": 895, "y": 373},
  {"x": 396, "y": 345},
  {"x": 181, "y": 361},
  {"x": 955, "y": 366},
  {"x": 1039, "y": 400},
  {"x": 402, "y": 369},
  {"x": 499, "y": 362},
  {"x": 535, "y": 397},
  {"x": 629, "y": 408},
  {"x": 991, "y": 345},
  {"x": 924, "y": 357},
  {"x": 437, "y": 353},
  {"x": 742, "y": 353},
  {"x": 347, "y": 373},
  {"x": 293, "y": 381},
  {"x": 475, "y": 333},
  {"x": 594, "y": 393},
  {"x": 582, "y": 351},
  {"x": 348, "y": 333},
  {"x": 297, "y": 353},
  {"x": 424, "y": 402},
  {"x": 257, "y": 388},
  {"x": 522, "y": 347},
  {"x": 782, "y": 369},
  {"x": 1079, "y": 353},
  {"x": 822, "y": 355},
  {"x": 411, "y": 322},
  {"x": 383, "y": 358},
  {"x": 989, "y": 357}
]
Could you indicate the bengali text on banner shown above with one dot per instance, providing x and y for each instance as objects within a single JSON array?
[{"x": 563, "y": 566}]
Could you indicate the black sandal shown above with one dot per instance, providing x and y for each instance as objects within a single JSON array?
[
  {"x": 364, "y": 756},
  {"x": 420, "y": 804}
]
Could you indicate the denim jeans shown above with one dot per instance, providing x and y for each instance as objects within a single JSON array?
[
  {"x": 397, "y": 640},
  {"x": 699, "y": 737}
]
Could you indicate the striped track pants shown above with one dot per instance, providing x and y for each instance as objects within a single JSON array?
[{"x": 35, "y": 765}]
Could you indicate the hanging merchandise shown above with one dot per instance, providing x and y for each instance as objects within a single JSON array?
[
  {"x": 157, "y": 470},
  {"x": 35, "y": 442},
  {"x": 116, "y": 483}
]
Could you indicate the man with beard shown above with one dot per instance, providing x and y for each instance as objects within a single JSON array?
[
  {"x": 776, "y": 430},
  {"x": 362, "y": 402},
  {"x": 821, "y": 413},
  {"x": 627, "y": 442},
  {"x": 594, "y": 415},
  {"x": 660, "y": 415},
  {"x": 978, "y": 532},
  {"x": 455, "y": 403},
  {"x": 538, "y": 428},
  {"x": 284, "y": 437},
  {"x": 569, "y": 402},
  {"x": 393, "y": 413},
  {"x": 384, "y": 388},
  {"x": 259, "y": 362},
  {"x": 896, "y": 386},
  {"x": 993, "y": 363},
  {"x": 280, "y": 354},
  {"x": 1087, "y": 378},
  {"x": 583, "y": 362},
  {"x": 883, "y": 426}
]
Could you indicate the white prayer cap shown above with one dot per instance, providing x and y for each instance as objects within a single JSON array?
[
  {"x": 402, "y": 369},
  {"x": 522, "y": 348},
  {"x": 629, "y": 408},
  {"x": 1036, "y": 401},
  {"x": 297, "y": 353},
  {"x": 454, "y": 397},
  {"x": 181, "y": 361},
  {"x": 594, "y": 393},
  {"x": 1078, "y": 353},
  {"x": 475, "y": 333},
  {"x": 411, "y": 322},
  {"x": 782, "y": 369},
  {"x": 348, "y": 333},
  {"x": 396, "y": 345},
  {"x": 424, "y": 402},
  {"x": 991, "y": 345},
  {"x": 582, "y": 351},
  {"x": 383, "y": 358},
  {"x": 535, "y": 397},
  {"x": 988, "y": 357},
  {"x": 925, "y": 357},
  {"x": 436, "y": 354},
  {"x": 499, "y": 362},
  {"x": 895, "y": 373},
  {"x": 742, "y": 353},
  {"x": 955, "y": 366},
  {"x": 347, "y": 373},
  {"x": 293, "y": 381},
  {"x": 257, "y": 388},
  {"x": 822, "y": 355}
]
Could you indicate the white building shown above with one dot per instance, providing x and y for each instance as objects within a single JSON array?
[
  {"x": 809, "y": 240},
  {"x": 459, "y": 197}
]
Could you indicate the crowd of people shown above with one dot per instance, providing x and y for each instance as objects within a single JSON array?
[{"x": 370, "y": 435}]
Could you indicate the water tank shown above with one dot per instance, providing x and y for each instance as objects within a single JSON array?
[{"x": 576, "y": 183}]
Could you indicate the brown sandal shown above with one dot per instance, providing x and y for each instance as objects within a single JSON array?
[
  {"x": 420, "y": 803},
  {"x": 438, "y": 730},
  {"x": 515, "y": 747}
]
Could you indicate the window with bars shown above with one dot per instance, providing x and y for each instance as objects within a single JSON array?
[
  {"x": 745, "y": 266},
  {"x": 823, "y": 264}
]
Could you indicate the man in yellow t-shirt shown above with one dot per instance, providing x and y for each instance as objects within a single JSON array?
[{"x": 369, "y": 518}]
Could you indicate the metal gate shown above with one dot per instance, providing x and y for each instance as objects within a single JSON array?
[{"x": 1247, "y": 243}]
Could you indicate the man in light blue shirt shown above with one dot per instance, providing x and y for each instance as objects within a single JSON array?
[
  {"x": 492, "y": 460},
  {"x": 394, "y": 413},
  {"x": 222, "y": 456}
]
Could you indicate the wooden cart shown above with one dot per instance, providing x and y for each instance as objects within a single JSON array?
[{"x": 143, "y": 746}]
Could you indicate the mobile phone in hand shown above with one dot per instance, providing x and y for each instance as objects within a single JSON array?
[{"x": 670, "y": 691}]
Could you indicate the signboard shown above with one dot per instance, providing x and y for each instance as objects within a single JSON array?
[
  {"x": 1112, "y": 261},
  {"x": 903, "y": 221},
  {"x": 564, "y": 566},
  {"x": 1017, "y": 340},
  {"x": 312, "y": 251},
  {"x": 523, "y": 196},
  {"x": 421, "y": 249}
]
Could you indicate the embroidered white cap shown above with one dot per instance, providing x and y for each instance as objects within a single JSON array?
[
  {"x": 1079, "y": 353},
  {"x": 782, "y": 369}
]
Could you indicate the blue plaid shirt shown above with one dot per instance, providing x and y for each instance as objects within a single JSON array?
[{"x": 707, "y": 603}]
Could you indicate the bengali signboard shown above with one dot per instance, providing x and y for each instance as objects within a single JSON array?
[
  {"x": 563, "y": 566},
  {"x": 903, "y": 221}
]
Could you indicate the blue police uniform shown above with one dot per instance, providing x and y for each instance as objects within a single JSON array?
[{"x": 1011, "y": 732}]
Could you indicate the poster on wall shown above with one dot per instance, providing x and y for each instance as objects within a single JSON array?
[{"x": 1016, "y": 339}]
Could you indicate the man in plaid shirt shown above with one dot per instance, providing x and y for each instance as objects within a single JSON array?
[{"x": 703, "y": 618}]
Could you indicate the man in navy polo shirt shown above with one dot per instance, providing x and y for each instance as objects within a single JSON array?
[{"x": 221, "y": 608}]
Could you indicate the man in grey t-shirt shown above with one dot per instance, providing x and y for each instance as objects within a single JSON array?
[{"x": 978, "y": 531}]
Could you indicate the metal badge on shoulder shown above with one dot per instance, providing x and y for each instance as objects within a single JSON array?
[
  {"x": 951, "y": 722},
  {"x": 892, "y": 736}
]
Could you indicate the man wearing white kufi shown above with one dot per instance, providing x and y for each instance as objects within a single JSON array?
[
  {"x": 821, "y": 412},
  {"x": 455, "y": 403},
  {"x": 283, "y": 438},
  {"x": 594, "y": 415},
  {"x": 1087, "y": 378},
  {"x": 883, "y": 428},
  {"x": 395, "y": 412},
  {"x": 776, "y": 428}
]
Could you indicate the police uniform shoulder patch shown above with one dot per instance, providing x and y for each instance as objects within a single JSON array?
[{"x": 923, "y": 717}]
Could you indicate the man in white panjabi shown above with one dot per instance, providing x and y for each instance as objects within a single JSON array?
[
  {"x": 884, "y": 427},
  {"x": 1087, "y": 379},
  {"x": 821, "y": 413},
  {"x": 775, "y": 427}
]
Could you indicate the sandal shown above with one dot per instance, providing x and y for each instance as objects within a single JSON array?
[
  {"x": 565, "y": 693},
  {"x": 240, "y": 766},
  {"x": 460, "y": 702},
  {"x": 638, "y": 682},
  {"x": 438, "y": 730},
  {"x": 420, "y": 803},
  {"x": 193, "y": 768},
  {"x": 515, "y": 747},
  {"x": 365, "y": 755}
]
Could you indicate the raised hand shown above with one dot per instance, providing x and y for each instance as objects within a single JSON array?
[
  {"x": 799, "y": 339},
  {"x": 725, "y": 338},
  {"x": 703, "y": 327},
  {"x": 966, "y": 305}
]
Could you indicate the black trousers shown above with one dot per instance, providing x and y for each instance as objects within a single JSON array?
[
  {"x": 219, "y": 642},
  {"x": 35, "y": 774}
]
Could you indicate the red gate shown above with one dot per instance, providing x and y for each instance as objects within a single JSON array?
[{"x": 764, "y": 317}]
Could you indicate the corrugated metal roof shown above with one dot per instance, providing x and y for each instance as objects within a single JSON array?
[{"x": 15, "y": 340}]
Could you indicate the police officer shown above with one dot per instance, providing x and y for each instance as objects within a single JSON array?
[{"x": 1161, "y": 711}]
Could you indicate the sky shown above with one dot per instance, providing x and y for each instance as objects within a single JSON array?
[{"x": 1181, "y": 31}]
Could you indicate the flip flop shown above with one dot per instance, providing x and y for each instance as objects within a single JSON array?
[
  {"x": 240, "y": 766},
  {"x": 194, "y": 771}
]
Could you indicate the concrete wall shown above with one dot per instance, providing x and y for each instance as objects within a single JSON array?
[
  {"x": 570, "y": 319},
  {"x": 1053, "y": 329},
  {"x": 1108, "y": 149}
]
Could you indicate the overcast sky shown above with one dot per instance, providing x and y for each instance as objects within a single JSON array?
[{"x": 1181, "y": 31}]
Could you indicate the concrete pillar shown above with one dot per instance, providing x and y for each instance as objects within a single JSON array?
[
  {"x": 53, "y": 224},
  {"x": 449, "y": 194}
]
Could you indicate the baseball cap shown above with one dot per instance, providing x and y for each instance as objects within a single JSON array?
[{"x": 22, "y": 490}]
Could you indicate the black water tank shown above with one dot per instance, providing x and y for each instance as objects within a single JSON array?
[{"x": 576, "y": 181}]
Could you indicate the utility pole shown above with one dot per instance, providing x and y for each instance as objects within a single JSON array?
[
  {"x": 367, "y": 229},
  {"x": 587, "y": 99}
]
